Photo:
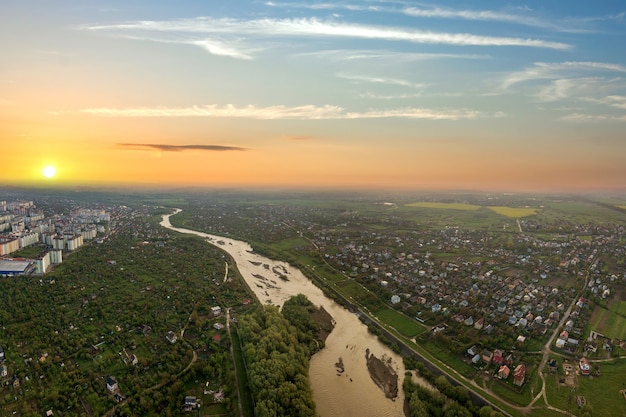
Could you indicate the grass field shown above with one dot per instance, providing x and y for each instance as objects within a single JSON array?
[
  {"x": 611, "y": 322},
  {"x": 603, "y": 393},
  {"x": 405, "y": 325},
  {"x": 449, "y": 206},
  {"x": 514, "y": 212}
]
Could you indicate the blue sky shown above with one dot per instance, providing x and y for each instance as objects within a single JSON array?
[{"x": 372, "y": 88}]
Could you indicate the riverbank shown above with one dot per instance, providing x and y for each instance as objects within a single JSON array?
[{"x": 353, "y": 392}]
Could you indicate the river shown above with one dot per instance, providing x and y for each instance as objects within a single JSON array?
[{"x": 346, "y": 394}]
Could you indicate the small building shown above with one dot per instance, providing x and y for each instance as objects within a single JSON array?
[
  {"x": 519, "y": 374},
  {"x": 190, "y": 403},
  {"x": 171, "y": 337},
  {"x": 472, "y": 351},
  {"x": 218, "y": 326},
  {"x": 503, "y": 372},
  {"x": 4, "y": 371},
  {"x": 487, "y": 356},
  {"x": 112, "y": 384},
  {"x": 216, "y": 310},
  {"x": 498, "y": 356},
  {"x": 585, "y": 366}
]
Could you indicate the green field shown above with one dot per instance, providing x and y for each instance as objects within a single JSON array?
[
  {"x": 449, "y": 206},
  {"x": 611, "y": 322},
  {"x": 514, "y": 212},
  {"x": 606, "y": 397},
  {"x": 403, "y": 324}
]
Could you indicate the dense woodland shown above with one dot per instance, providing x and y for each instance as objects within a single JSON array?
[{"x": 277, "y": 350}]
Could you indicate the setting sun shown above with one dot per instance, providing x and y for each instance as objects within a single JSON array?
[{"x": 49, "y": 171}]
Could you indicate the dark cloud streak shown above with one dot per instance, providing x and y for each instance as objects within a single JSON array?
[{"x": 179, "y": 148}]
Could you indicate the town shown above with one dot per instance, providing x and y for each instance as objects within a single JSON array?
[{"x": 522, "y": 306}]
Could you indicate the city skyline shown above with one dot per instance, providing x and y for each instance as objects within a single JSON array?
[{"x": 364, "y": 94}]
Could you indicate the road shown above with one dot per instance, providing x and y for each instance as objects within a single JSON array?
[
  {"x": 232, "y": 355},
  {"x": 547, "y": 348}
]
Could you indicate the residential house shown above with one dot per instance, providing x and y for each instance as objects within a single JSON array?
[
  {"x": 498, "y": 356},
  {"x": 479, "y": 324},
  {"x": 472, "y": 351},
  {"x": 112, "y": 384},
  {"x": 217, "y": 310},
  {"x": 508, "y": 359},
  {"x": 190, "y": 403},
  {"x": 487, "y": 356},
  {"x": 2, "y": 354},
  {"x": 171, "y": 337},
  {"x": 519, "y": 374},
  {"x": 503, "y": 372},
  {"x": 585, "y": 366},
  {"x": 4, "y": 372}
]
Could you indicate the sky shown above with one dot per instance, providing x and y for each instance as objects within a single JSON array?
[{"x": 465, "y": 95}]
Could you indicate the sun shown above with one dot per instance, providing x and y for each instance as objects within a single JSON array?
[{"x": 49, "y": 171}]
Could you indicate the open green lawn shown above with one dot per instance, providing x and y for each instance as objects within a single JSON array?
[{"x": 403, "y": 324}]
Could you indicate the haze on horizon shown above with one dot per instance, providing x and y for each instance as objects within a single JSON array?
[{"x": 527, "y": 96}]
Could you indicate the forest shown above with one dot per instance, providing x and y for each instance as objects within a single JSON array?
[{"x": 277, "y": 348}]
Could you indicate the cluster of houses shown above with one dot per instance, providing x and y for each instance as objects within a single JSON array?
[{"x": 503, "y": 363}]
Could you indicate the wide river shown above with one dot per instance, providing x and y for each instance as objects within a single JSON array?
[{"x": 351, "y": 393}]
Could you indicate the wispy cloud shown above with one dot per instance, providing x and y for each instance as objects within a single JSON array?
[
  {"x": 391, "y": 56},
  {"x": 323, "y": 6},
  {"x": 618, "y": 102},
  {"x": 582, "y": 87},
  {"x": 587, "y": 118},
  {"x": 177, "y": 148},
  {"x": 552, "y": 70},
  {"x": 196, "y": 28},
  {"x": 519, "y": 15},
  {"x": 370, "y": 95},
  {"x": 307, "y": 112},
  {"x": 220, "y": 48},
  {"x": 382, "y": 80},
  {"x": 489, "y": 15}
]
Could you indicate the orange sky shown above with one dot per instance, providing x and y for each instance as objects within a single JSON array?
[{"x": 116, "y": 97}]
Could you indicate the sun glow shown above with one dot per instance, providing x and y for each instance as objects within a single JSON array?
[{"x": 49, "y": 171}]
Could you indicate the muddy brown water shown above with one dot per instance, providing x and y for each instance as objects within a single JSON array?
[{"x": 348, "y": 393}]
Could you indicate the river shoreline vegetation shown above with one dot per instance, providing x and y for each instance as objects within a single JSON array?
[{"x": 277, "y": 347}]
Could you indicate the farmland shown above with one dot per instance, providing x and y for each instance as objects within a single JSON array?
[{"x": 514, "y": 212}]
